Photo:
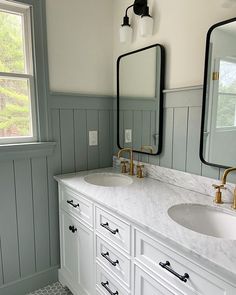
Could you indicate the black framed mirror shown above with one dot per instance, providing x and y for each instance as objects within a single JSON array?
[
  {"x": 140, "y": 84},
  {"x": 218, "y": 127}
]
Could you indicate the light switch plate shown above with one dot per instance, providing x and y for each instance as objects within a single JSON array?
[
  {"x": 128, "y": 135},
  {"x": 93, "y": 138}
]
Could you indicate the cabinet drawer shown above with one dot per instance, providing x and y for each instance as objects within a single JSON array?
[
  {"x": 98, "y": 292},
  {"x": 106, "y": 283},
  {"x": 150, "y": 252},
  {"x": 77, "y": 205},
  {"x": 113, "y": 261},
  {"x": 145, "y": 284},
  {"x": 117, "y": 231}
]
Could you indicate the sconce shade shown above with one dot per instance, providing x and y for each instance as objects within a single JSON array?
[
  {"x": 146, "y": 23},
  {"x": 126, "y": 33},
  {"x": 146, "y": 26}
]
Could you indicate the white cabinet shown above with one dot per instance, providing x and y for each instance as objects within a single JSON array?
[
  {"x": 114, "y": 229},
  {"x": 69, "y": 249},
  {"x": 170, "y": 267},
  {"x": 145, "y": 284},
  {"x": 76, "y": 254},
  {"x": 103, "y": 254}
]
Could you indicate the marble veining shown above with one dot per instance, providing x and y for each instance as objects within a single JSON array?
[
  {"x": 146, "y": 202},
  {"x": 185, "y": 180}
]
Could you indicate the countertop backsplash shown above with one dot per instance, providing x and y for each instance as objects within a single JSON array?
[{"x": 196, "y": 183}]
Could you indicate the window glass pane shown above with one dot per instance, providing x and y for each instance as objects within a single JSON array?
[
  {"x": 227, "y": 82},
  {"x": 226, "y": 108},
  {"x": 15, "y": 108},
  {"x": 226, "y": 111},
  {"x": 12, "y": 53}
]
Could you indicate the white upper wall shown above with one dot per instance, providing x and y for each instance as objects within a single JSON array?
[
  {"x": 80, "y": 45},
  {"x": 83, "y": 40},
  {"x": 181, "y": 26}
]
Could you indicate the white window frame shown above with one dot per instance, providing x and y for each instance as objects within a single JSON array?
[{"x": 26, "y": 12}]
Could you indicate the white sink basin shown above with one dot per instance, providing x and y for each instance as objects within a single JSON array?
[
  {"x": 206, "y": 220},
  {"x": 108, "y": 179}
]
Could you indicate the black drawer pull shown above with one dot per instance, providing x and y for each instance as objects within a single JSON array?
[
  {"x": 166, "y": 266},
  {"x": 72, "y": 204},
  {"x": 106, "y": 256},
  {"x": 106, "y": 226},
  {"x": 72, "y": 228},
  {"x": 105, "y": 285}
]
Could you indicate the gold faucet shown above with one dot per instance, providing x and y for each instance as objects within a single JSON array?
[
  {"x": 234, "y": 201},
  {"x": 218, "y": 196},
  {"x": 147, "y": 148},
  {"x": 131, "y": 164},
  {"x": 227, "y": 171}
]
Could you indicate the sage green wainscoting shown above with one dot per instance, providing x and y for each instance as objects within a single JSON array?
[
  {"x": 181, "y": 139},
  {"x": 29, "y": 231},
  {"x": 72, "y": 117},
  {"x": 27, "y": 256}
]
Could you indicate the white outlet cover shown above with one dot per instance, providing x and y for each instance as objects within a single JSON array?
[
  {"x": 128, "y": 135},
  {"x": 93, "y": 138}
]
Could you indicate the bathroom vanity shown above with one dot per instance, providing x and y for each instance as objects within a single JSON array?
[{"x": 122, "y": 239}]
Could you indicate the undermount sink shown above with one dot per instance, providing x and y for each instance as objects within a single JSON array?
[
  {"x": 108, "y": 179},
  {"x": 207, "y": 220}
]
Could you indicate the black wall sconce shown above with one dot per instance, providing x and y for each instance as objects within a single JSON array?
[{"x": 140, "y": 7}]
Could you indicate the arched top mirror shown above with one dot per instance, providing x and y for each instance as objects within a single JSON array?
[{"x": 218, "y": 130}]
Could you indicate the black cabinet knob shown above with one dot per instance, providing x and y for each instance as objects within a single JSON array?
[{"x": 72, "y": 229}]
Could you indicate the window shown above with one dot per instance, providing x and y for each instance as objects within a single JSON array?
[
  {"x": 226, "y": 108},
  {"x": 17, "y": 94}
]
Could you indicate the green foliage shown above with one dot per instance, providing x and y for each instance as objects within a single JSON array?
[
  {"x": 226, "y": 110},
  {"x": 227, "y": 95},
  {"x": 14, "y": 98}
]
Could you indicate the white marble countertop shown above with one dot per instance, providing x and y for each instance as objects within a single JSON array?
[{"x": 146, "y": 202}]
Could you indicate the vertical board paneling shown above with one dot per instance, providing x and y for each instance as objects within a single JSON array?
[
  {"x": 1, "y": 265},
  {"x": 212, "y": 172},
  {"x": 8, "y": 224},
  {"x": 25, "y": 217},
  {"x": 193, "y": 163},
  {"x": 128, "y": 124},
  {"x": 154, "y": 160},
  {"x": 137, "y": 135},
  {"x": 81, "y": 141},
  {"x": 115, "y": 146},
  {"x": 180, "y": 138},
  {"x": 56, "y": 133},
  {"x": 93, "y": 151},
  {"x": 167, "y": 149},
  {"x": 111, "y": 129},
  {"x": 41, "y": 213},
  {"x": 105, "y": 149},
  {"x": 67, "y": 141},
  {"x": 121, "y": 128},
  {"x": 146, "y": 126},
  {"x": 54, "y": 168}
]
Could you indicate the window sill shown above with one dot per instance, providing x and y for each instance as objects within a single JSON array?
[{"x": 26, "y": 150}]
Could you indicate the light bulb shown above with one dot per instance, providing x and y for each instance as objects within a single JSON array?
[
  {"x": 126, "y": 33},
  {"x": 146, "y": 26}
]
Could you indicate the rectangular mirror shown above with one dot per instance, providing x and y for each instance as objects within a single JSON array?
[
  {"x": 218, "y": 131},
  {"x": 140, "y": 83}
]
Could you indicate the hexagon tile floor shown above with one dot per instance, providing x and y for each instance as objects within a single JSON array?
[{"x": 54, "y": 289}]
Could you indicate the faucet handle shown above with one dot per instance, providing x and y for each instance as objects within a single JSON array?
[
  {"x": 218, "y": 195},
  {"x": 123, "y": 166},
  {"x": 219, "y": 186},
  {"x": 140, "y": 171}
]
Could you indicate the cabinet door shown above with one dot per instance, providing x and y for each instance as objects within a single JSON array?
[
  {"x": 77, "y": 253},
  {"x": 69, "y": 252},
  {"x": 145, "y": 284}
]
